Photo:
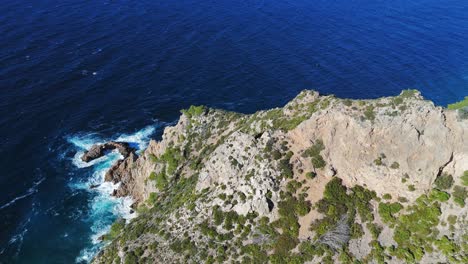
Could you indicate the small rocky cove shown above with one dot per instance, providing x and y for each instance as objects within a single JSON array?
[{"x": 320, "y": 180}]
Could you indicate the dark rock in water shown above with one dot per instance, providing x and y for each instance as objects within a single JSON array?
[
  {"x": 99, "y": 150},
  {"x": 132, "y": 211},
  {"x": 92, "y": 186}
]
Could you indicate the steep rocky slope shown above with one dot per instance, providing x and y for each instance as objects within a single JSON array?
[{"x": 321, "y": 180}]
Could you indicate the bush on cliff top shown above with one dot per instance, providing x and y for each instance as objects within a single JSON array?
[
  {"x": 458, "y": 105},
  {"x": 194, "y": 111}
]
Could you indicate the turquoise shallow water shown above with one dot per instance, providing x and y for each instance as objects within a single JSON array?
[{"x": 73, "y": 73}]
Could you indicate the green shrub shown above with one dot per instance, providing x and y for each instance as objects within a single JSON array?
[
  {"x": 289, "y": 208},
  {"x": 171, "y": 157},
  {"x": 314, "y": 153},
  {"x": 395, "y": 165},
  {"x": 311, "y": 175},
  {"x": 447, "y": 246},
  {"x": 444, "y": 181},
  {"x": 347, "y": 102},
  {"x": 315, "y": 149},
  {"x": 318, "y": 162},
  {"x": 439, "y": 195},
  {"x": 464, "y": 178},
  {"x": 115, "y": 229},
  {"x": 152, "y": 198},
  {"x": 408, "y": 93},
  {"x": 369, "y": 113},
  {"x": 416, "y": 230},
  {"x": 374, "y": 229},
  {"x": 459, "y": 195},
  {"x": 356, "y": 230},
  {"x": 336, "y": 203},
  {"x": 153, "y": 158},
  {"x": 378, "y": 161},
  {"x": 159, "y": 178},
  {"x": 230, "y": 219},
  {"x": 276, "y": 154},
  {"x": 194, "y": 111},
  {"x": 284, "y": 243},
  {"x": 402, "y": 199},
  {"x": 411, "y": 188},
  {"x": 293, "y": 186},
  {"x": 387, "y": 211},
  {"x": 131, "y": 258},
  {"x": 387, "y": 196},
  {"x": 285, "y": 167},
  {"x": 256, "y": 252},
  {"x": 218, "y": 215},
  {"x": 452, "y": 219}
]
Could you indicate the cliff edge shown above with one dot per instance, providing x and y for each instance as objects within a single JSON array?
[{"x": 320, "y": 180}]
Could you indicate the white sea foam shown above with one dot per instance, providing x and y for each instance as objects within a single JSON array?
[
  {"x": 140, "y": 138},
  {"x": 29, "y": 192},
  {"x": 103, "y": 208}
]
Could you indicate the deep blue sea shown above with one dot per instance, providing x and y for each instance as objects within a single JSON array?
[{"x": 74, "y": 72}]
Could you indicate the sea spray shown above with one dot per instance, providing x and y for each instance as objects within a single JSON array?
[{"x": 103, "y": 207}]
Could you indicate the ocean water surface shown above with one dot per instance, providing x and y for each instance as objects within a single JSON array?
[{"x": 74, "y": 73}]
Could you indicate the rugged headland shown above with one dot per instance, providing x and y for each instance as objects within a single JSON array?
[{"x": 321, "y": 180}]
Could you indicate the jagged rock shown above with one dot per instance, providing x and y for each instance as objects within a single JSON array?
[
  {"x": 240, "y": 164},
  {"x": 99, "y": 150}
]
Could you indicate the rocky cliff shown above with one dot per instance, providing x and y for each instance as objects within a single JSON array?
[{"x": 321, "y": 180}]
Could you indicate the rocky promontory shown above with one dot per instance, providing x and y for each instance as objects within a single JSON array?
[{"x": 320, "y": 180}]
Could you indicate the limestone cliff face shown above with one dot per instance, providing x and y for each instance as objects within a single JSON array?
[{"x": 235, "y": 187}]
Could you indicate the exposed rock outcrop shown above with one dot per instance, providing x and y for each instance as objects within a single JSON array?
[
  {"x": 256, "y": 188},
  {"x": 99, "y": 150}
]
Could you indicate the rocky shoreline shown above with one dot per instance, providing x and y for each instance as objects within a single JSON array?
[{"x": 321, "y": 180}]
